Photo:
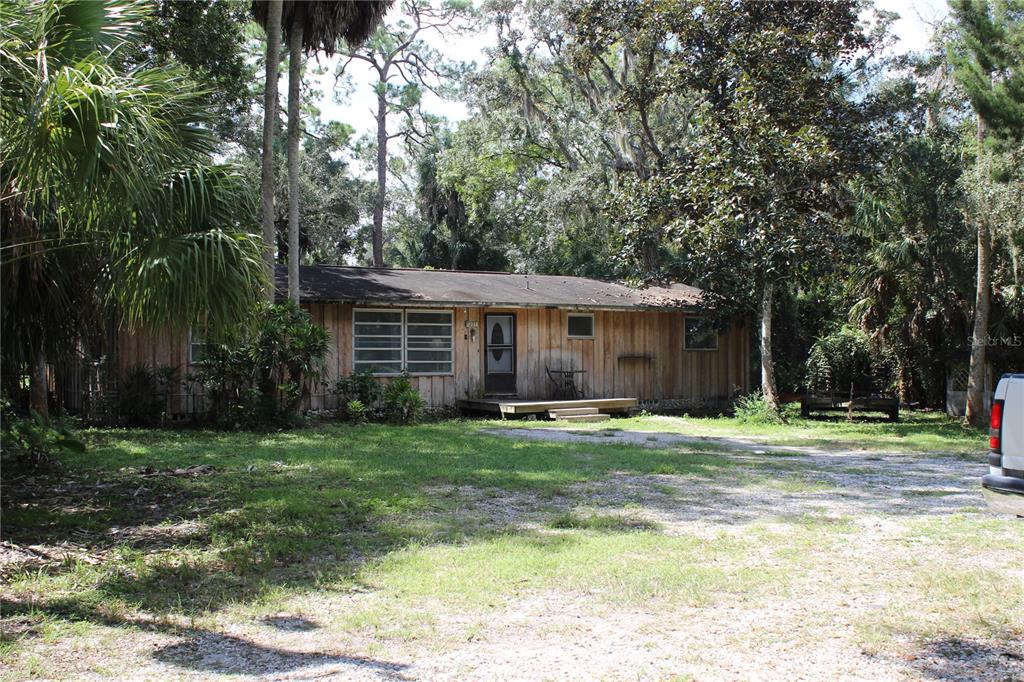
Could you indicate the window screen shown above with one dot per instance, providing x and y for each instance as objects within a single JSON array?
[
  {"x": 700, "y": 335},
  {"x": 388, "y": 341},
  {"x": 428, "y": 338},
  {"x": 377, "y": 341},
  {"x": 196, "y": 347},
  {"x": 581, "y": 326}
]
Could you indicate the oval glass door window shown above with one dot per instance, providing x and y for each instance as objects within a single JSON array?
[
  {"x": 500, "y": 331},
  {"x": 500, "y": 335}
]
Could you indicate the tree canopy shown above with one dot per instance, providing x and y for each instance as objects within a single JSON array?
[{"x": 783, "y": 156}]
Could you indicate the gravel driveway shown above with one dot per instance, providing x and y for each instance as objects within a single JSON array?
[
  {"x": 850, "y": 482},
  {"x": 871, "y": 602}
]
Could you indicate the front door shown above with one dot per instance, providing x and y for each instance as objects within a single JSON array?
[{"x": 499, "y": 354}]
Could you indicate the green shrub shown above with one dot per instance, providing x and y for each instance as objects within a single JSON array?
[
  {"x": 402, "y": 402},
  {"x": 261, "y": 378},
  {"x": 356, "y": 412},
  {"x": 36, "y": 440},
  {"x": 288, "y": 350},
  {"x": 226, "y": 374},
  {"x": 143, "y": 393},
  {"x": 753, "y": 409},
  {"x": 843, "y": 359},
  {"x": 359, "y": 386}
]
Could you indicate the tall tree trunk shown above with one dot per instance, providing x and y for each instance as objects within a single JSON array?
[
  {"x": 38, "y": 395},
  {"x": 771, "y": 394},
  {"x": 382, "y": 179},
  {"x": 294, "y": 127},
  {"x": 979, "y": 337},
  {"x": 269, "y": 126},
  {"x": 905, "y": 384}
]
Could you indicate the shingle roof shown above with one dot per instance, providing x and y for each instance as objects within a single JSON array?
[{"x": 322, "y": 283}]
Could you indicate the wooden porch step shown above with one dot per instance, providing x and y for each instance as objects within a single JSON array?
[
  {"x": 554, "y": 413},
  {"x": 583, "y": 418},
  {"x": 513, "y": 407}
]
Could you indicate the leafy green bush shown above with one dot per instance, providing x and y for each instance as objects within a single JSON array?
[
  {"x": 287, "y": 348},
  {"x": 36, "y": 440},
  {"x": 143, "y": 393},
  {"x": 261, "y": 378},
  {"x": 402, "y": 402},
  {"x": 359, "y": 386},
  {"x": 356, "y": 412},
  {"x": 226, "y": 374},
  {"x": 843, "y": 359},
  {"x": 753, "y": 409}
]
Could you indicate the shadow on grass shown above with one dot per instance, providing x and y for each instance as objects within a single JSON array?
[
  {"x": 217, "y": 653},
  {"x": 290, "y": 623},
  {"x": 957, "y": 658},
  {"x": 212, "y": 652},
  {"x": 910, "y": 423},
  {"x": 289, "y": 510}
]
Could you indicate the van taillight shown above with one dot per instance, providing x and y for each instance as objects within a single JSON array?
[{"x": 996, "y": 426}]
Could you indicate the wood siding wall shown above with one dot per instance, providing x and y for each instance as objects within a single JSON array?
[{"x": 634, "y": 354}]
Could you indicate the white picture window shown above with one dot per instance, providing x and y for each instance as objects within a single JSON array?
[
  {"x": 389, "y": 341},
  {"x": 699, "y": 335},
  {"x": 581, "y": 326}
]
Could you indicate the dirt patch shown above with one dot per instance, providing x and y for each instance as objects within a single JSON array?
[{"x": 565, "y": 636}]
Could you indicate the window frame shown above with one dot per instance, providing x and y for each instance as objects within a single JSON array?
[
  {"x": 401, "y": 336},
  {"x": 593, "y": 326},
  {"x": 404, "y": 347},
  {"x": 405, "y": 342},
  {"x": 191, "y": 344},
  {"x": 686, "y": 346}
]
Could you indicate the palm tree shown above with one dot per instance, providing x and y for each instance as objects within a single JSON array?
[
  {"x": 110, "y": 202},
  {"x": 313, "y": 26}
]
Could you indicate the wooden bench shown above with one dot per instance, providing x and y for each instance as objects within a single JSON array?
[{"x": 862, "y": 401}]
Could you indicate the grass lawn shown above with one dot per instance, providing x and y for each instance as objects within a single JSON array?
[{"x": 440, "y": 551}]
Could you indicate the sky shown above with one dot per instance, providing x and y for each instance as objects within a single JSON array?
[
  {"x": 912, "y": 30},
  {"x": 359, "y": 108}
]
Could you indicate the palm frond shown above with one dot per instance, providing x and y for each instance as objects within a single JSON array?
[
  {"x": 95, "y": 140},
  {"x": 325, "y": 24},
  {"x": 198, "y": 198},
  {"x": 177, "y": 280},
  {"x": 77, "y": 28},
  {"x": 109, "y": 197}
]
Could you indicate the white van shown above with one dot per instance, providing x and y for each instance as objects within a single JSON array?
[{"x": 1004, "y": 486}]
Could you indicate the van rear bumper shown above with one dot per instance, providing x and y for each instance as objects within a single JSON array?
[{"x": 1004, "y": 494}]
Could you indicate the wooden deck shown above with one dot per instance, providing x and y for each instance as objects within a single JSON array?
[{"x": 512, "y": 407}]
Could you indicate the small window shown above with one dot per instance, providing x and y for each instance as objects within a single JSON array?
[
  {"x": 581, "y": 326},
  {"x": 196, "y": 347},
  {"x": 699, "y": 335}
]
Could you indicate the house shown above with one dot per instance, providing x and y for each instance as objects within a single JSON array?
[{"x": 488, "y": 336}]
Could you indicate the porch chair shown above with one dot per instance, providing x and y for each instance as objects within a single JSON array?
[{"x": 565, "y": 385}]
